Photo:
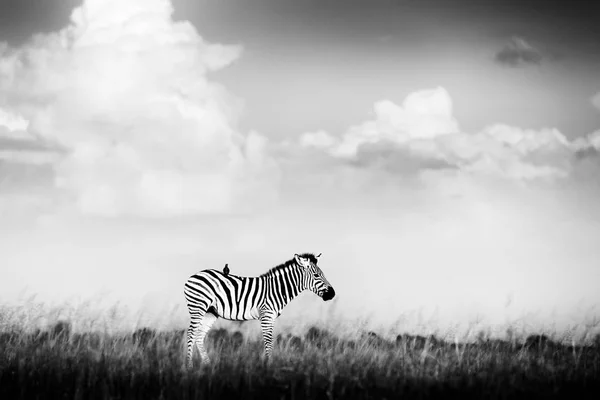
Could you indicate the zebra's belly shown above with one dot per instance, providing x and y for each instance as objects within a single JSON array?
[{"x": 234, "y": 314}]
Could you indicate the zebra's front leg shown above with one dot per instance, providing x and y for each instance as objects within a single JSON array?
[{"x": 267, "y": 322}]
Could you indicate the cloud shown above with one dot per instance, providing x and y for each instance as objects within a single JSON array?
[
  {"x": 422, "y": 135},
  {"x": 423, "y": 115},
  {"x": 517, "y": 52},
  {"x": 17, "y": 145},
  {"x": 25, "y": 166},
  {"x": 123, "y": 92},
  {"x": 119, "y": 110},
  {"x": 11, "y": 123}
]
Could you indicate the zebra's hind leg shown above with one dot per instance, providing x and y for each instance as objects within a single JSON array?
[
  {"x": 205, "y": 325},
  {"x": 193, "y": 332}
]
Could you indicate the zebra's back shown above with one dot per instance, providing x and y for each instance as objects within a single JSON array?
[{"x": 229, "y": 296}]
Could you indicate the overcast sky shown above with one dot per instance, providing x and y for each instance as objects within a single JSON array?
[{"x": 442, "y": 155}]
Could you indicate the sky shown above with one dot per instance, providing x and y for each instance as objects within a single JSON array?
[{"x": 443, "y": 156}]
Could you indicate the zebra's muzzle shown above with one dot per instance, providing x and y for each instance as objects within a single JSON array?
[{"x": 329, "y": 294}]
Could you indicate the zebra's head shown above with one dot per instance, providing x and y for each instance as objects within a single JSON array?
[{"x": 314, "y": 277}]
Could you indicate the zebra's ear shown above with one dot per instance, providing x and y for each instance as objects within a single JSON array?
[{"x": 301, "y": 261}]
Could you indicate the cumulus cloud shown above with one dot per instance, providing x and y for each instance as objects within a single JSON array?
[
  {"x": 123, "y": 92},
  {"x": 11, "y": 123},
  {"x": 518, "y": 52},
  {"x": 25, "y": 166},
  {"x": 422, "y": 135},
  {"x": 406, "y": 129},
  {"x": 591, "y": 141},
  {"x": 17, "y": 145}
]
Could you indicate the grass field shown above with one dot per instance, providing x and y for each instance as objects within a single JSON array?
[{"x": 148, "y": 364}]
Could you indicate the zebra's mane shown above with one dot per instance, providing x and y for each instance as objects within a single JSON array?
[{"x": 289, "y": 263}]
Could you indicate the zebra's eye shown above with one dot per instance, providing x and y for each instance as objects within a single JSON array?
[{"x": 316, "y": 275}]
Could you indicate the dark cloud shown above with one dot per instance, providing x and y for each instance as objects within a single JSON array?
[
  {"x": 395, "y": 158},
  {"x": 517, "y": 52},
  {"x": 22, "y": 144},
  {"x": 21, "y": 147}
]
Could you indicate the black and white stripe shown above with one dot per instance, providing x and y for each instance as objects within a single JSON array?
[{"x": 211, "y": 294}]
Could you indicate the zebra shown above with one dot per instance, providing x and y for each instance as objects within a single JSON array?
[
  {"x": 226, "y": 270},
  {"x": 211, "y": 294}
]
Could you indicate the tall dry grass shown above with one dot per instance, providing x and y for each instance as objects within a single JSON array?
[{"x": 62, "y": 362}]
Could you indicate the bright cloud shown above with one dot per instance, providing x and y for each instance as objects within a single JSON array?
[
  {"x": 422, "y": 135},
  {"x": 423, "y": 115},
  {"x": 123, "y": 90},
  {"x": 10, "y": 123}
]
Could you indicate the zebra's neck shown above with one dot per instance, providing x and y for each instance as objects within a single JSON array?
[{"x": 283, "y": 284}]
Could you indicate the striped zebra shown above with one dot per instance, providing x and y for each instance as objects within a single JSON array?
[{"x": 211, "y": 294}]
